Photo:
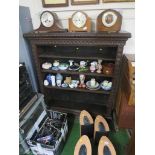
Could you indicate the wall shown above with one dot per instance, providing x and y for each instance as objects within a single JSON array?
[{"x": 126, "y": 9}]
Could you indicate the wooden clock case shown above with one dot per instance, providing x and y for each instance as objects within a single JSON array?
[
  {"x": 85, "y": 28},
  {"x": 100, "y": 27},
  {"x": 56, "y": 27}
]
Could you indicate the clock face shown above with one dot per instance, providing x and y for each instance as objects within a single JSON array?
[
  {"x": 109, "y": 19},
  {"x": 47, "y": 19},
  {"x": 79, "y": 19}
]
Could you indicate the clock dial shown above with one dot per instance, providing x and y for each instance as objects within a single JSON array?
[
  {"x": 109, "y": 19},
  {"x": 47, "y": 19},
  {"x": 79, "y": 19}
]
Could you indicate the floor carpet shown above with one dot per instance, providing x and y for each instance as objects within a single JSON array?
[{"x": 120, "y": 139}]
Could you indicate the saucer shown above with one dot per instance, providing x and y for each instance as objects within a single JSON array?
[
  {"x": 55, "y": 68},
  {"x": 64, "y": 85}
]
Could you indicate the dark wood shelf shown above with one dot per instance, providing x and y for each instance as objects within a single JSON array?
[
  {"x": 100, "y": 91},
  {"x": 75, "y": 73},
  {"x": 74, "y": 57},
  {"x": 76, "y": 111},
  {"x": 91, "y": 46}
]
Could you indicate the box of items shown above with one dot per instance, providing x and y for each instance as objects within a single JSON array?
[{"x": 48, "y": 134}]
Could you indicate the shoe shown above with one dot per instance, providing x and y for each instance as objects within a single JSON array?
[
  {"x": 105, "y": 147},
  {"x": 86, "y": 124},
  {"x": 101, "y": 128},
  {"x": 83, "y": 146}
]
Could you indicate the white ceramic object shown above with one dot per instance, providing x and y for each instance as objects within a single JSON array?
[
  {"x": 96, "y": 87},
  {"x": 83, "y": 64},
  {"x": 58, "y": 83},
  {"x": 46, "y": 65},
  {"x": 53, "y": 80},
  {"x": 46, "y": 83},
  {"x": 106, "y": 85},
  {"x": 92, "y": 82},
  {"x": 56, "y": 63}
]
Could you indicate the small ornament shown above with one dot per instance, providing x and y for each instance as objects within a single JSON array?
[
  {"x": 68, "y": 80},
  {"x": 82, "y": 79},
  {"x": 99, "y": 66},
  {"x": 46, "y": 65},
  {"x": 53, "y": 80},
  {"x": 92, "y": 67},
  {"x": 46, "y": 83},
  {"x": 71, "y": 62},
  {"x": 56, "y": 63}
]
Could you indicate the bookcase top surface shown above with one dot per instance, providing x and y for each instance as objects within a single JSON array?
[{"x": 36, "y": 34}]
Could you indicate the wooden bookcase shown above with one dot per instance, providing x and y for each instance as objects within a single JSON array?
[{"x": 78, "y": 46}]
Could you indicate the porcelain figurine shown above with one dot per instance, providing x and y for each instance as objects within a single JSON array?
[
  {"x": 92, "y": 67},
  {"x": 82, "y": 79},
  {"x": 56, "y": 63},
  {"x": 71, "y": 62},
  {"x": 99, "y": 66},
  {"x": 46, "y": 65}
]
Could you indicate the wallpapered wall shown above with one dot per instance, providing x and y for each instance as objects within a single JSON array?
[{"x": 126, "y": 9}]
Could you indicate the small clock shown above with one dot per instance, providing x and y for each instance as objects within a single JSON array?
[
  {"x": 79, "y": 22},
  {"x": 109, "y": 21},
  {"x": 49, "y": 22}
]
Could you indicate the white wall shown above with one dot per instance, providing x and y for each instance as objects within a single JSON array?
[{"x": 126, "y": 9}]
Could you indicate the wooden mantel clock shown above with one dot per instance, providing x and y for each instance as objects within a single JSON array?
[
  {"x": 49, "y": 22},
  {"x": 79, "y": 22},
  {"x": 109, "y": 21}
]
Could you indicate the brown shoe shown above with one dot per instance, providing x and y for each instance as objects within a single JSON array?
[
  {"x": 101, "y": 128},
  {"x": 105, "y": 147},
  {"x": 86, "y": 124},
  {"x": 83, "y": 146}
]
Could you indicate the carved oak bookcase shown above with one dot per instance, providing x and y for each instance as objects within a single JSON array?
[{"x": 78, "y": 46}]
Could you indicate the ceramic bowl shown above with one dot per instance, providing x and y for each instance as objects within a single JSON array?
[
  {"x": 63, "y": 66},
  {"x": 46, "y": 65},
  {"x": 106, "y": 85}
]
